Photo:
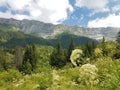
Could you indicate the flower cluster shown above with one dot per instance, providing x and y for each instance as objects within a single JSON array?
[
  {"x": 75, "y": 56},
  {"x": 88, "y": 73}
]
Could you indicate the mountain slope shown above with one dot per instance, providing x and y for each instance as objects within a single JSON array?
[
  {"x": 10, "y": 37},
  {"x": 47, "y": 30}
]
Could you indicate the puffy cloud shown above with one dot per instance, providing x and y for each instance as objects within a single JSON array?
[
  {"x": 116, "y": 8},
  {"x": 16, "y": 16},
  {"x": 95, "y": 5},
  {"x": 110, "y": 21},
  {"x": 49, "y": 11}
]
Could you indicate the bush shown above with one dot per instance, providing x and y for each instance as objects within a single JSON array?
[
  {"x": 109, "y": 73},
  {"x": 10, "y": 75}
]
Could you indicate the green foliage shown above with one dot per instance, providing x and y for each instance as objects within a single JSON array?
[
  {"x": 27, "y": 67},
  {"x": 6, "y": 60},
  {"x": 45, "y": 83},
  {"x": 117, "y": 53},
  {"x": 109, "y": 74},
  {"x": 108, "y": 48},
  {"x": 101, "y": 73},
  {"x": 8, "y": 77},
  {"x": 98, "y": 52},
  {"x": 89, "y": 49},
  {"x": 12, "y": 38},
  {"x": 10, "y": 33},
  {"x": 5, "y": 28},
  {"x": 118, "y": 37},
  {"x": 30, "y": 57},
  {"x": 44, "y": 55},
  {"x": 71, "y": 47},
  {"x": 58, "y": 58}
]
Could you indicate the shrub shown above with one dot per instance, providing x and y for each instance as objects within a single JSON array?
[{"x": 10, "y": 75}]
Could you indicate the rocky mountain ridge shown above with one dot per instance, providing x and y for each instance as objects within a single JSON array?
[{"x": 47, "y": 30}]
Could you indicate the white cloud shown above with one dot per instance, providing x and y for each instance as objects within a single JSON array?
[
  {"x": 17, "y": 16},
  {"x": 95, "y": 5},
  {"x": 49, "y": 11},
  {"x": 110, "y": 21},
  {"x": 116, "y": 8}
]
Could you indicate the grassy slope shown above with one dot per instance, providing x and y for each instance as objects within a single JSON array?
[{"x": 108, "y": 76}]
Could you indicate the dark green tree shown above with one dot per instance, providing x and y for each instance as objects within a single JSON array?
[
  {"x": 6, "y": 60},
  {"x": 31, "y": 56},
  {"x": 117, "y": 53},
  {"x": 103, "y": 40},
  {"x": 34, "y": 57},
  {"x": 27, "y": 68},
  {"x": 105, "y": 53},
  {"x": 58, "y": 58},
  {"x": 89, "y": 49},
  {"x": 71, "y": 47},
  {"x": 118, "y": 37},
  {"x": 59, "y": 48}
]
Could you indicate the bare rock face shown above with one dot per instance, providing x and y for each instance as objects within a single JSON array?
[{"x": 47, "y": 30}]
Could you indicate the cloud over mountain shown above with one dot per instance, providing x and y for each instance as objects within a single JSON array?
[
  {"x": 86, "y": 13},
  {"x": 95, "y": 5},
  {"x": 111, "y": 20},
  {"x": 49, "y": 11}
]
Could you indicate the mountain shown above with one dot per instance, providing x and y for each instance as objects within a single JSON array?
[
  {"x": 47, "y": 30},
  {"x": 10, "y": 37}
]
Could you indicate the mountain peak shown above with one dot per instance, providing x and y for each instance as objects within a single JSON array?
[{"x": 48, "y": 30}]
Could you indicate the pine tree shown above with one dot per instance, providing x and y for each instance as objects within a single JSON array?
[
  {"x": 58, "y": 58},
  {"x": 89, "y": 49},
  {"x": 118, "y": 37},
  {"x": 71, "y": 47},
  {"x": 103, "y": 40},
  {"x": 59, "y": 48},
  {"x": 104, "y": 51},
  {"x": 31, "y": 56},
  {"x": 117, "y": 53},
  {"x": 27, "y": 68}
]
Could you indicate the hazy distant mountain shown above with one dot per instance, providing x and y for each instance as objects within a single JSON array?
[
  {"x": 11, "y": 37},
  {"x": 47, "y": 30}
]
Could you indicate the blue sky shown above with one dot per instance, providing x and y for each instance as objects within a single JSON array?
[{"x": 86, "y": 13}]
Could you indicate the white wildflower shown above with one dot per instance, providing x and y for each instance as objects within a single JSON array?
[
  {"x": 55, "y": 76},
  {"x": 75, "y": 56},
  {"x": 88, "y": 73}
]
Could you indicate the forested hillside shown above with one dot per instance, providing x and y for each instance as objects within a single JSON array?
[
  {"x": 11, "y": 36},
  {"x": 78, "y": 67}
]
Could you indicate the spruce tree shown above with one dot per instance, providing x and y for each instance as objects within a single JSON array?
[
  {"x": 33, "y": 57},
  {"x": 89, "y": 49},
  {"x": 104, "y": 51},
  {"x": 59, "y": 48},
  {"x": 58, "y": 58},
  {"x": 30, "y": 56},
  {"x": 103, "y": 40},
  {"x": 118, "y": 37},
  {"x": 71, "y": 47},
  {"x": 27, "y": 68},
  {"x": 117, "y": 53}
]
